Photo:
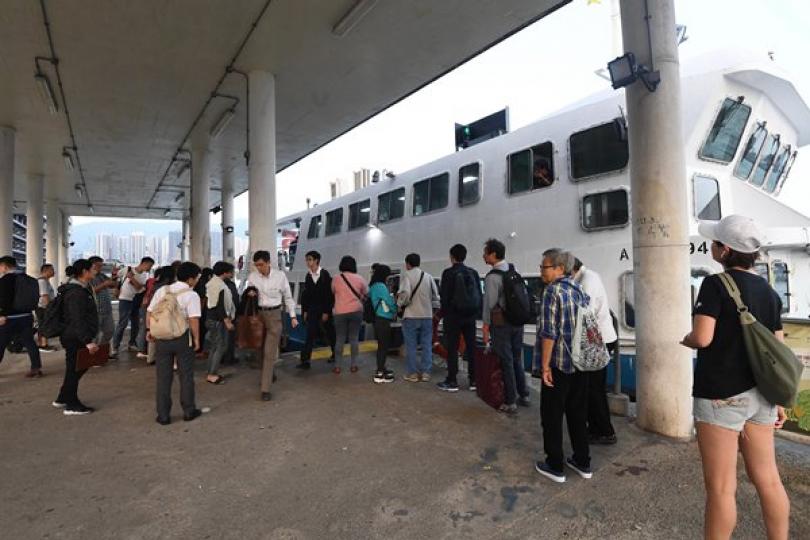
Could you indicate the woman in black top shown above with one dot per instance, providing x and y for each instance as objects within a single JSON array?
[{"x": 730, "y": 412}]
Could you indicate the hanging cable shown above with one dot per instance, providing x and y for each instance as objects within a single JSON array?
[{"x": 214, "y": 93}]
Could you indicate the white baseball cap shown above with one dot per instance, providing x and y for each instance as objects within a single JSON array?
[{"x": 740, "y": 233}]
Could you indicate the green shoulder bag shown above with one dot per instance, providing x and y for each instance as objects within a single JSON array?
[{"x": 776, "y": 369}]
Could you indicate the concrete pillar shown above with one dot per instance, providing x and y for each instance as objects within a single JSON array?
[
  {"x": 7, "y": 136},
  {"x": 262, "y": 170},
  {"x": 184, "y": 248},
  {"x": 660, "y": 224},
  {"x": 200, "y": 204},
  {"x": 227, "y": 219},
  {"x": 34, "y": 214},
  {"x": 52, "y": 239},
  {"x": 64, "y": 241}
]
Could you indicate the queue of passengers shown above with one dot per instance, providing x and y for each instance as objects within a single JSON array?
[{"x": 727, "y": 403}]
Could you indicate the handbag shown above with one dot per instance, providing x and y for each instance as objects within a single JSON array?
[
  {"x": 776, "y": 369},
  {"x": 85, "y": 359},
  {"x": 369, "y": 314},
  {"x": 250, "y": 329}
]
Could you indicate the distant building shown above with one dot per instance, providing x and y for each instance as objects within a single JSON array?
[{"x": 137, "y": 246}]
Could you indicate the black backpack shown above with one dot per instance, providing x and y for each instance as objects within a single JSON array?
[
  {"x": 466, "y": 293},
  {"x": 26, "y": 294},
  {"x": 53, "y": 323},
  {"x": 520, "y": 302}
]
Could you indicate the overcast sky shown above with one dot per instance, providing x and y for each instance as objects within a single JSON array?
[{"x": 536, "y": 72}]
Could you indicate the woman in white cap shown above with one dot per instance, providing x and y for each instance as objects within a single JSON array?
[{"x": 730, "y": 413}]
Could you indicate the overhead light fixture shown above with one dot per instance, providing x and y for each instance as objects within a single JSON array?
[
  {"x": 390, "y": 175},
  {"x": 365, "y": 210},
  {"x": 166, "y": 213},
  {"x": 624, "y": 71},
  {"x": 67, "y": 157},
  {"x": 183, "y": 168},
  {"x": 79, "y": 191},
  {"x": 90, "y": 207},
  {"x": 222, "y": 123},
  {"x": 46, "y": 92},
  {"x": 468, "y": 179},
  {"x": 217, "y": 209},
  {"x": 180, "y": 197},
  {"x": 359, "y": 10}
]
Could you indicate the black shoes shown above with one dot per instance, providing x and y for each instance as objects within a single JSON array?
[
  {"x": 162, "y": 421},
  {"x": 524, "y": 401},
  {"x": 303, "y": 365},
  {"x": 266, "y": 396},
  {"x": 194, "y": 414},
  {"x": 605, "y": 440}
]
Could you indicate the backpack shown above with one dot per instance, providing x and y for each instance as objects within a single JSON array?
[
  {"x": 168, "y": 320},
  {"x": 588, "y": 350},
  {"x": 466, "y": 293},
  {"x": 369, "y": 314},
  {"x": 26, "y": 293},
  {"x": 53, "y": 323},
  {"x": 520, "y": 302},
  {"x": 776, "y": 369}
]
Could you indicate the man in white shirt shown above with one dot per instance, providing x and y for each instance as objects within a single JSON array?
[
  {"x": 133, "y": 284},
  {"x": 46, "y": 294},
  {"x": 600, "y": 429},
  {"x": 182, "y": 347},
  {"x": 274, "y": 294}
]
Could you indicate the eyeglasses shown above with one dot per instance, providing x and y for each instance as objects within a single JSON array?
[{"x": 544, "y": 266}]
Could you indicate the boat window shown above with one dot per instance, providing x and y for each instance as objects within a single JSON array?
[
  {"x": 706, "y": 197},
  {"x": 789, "y": 166},
  {"x": 629, "y": 303},
  {"x": 603, "y": 210},
  {"x": 781, "y": 283},
  {"x": 726, "y": 132},
  {"x": 764, "y": 165},
  {"x": 334, "y": 221},
  {"x": 314, "y": 227},
  {"x": 531, "y": 169},
  {"x": 359, "y": 214},
  {"x": 430, "y": 194},
  {"x": 752, "y": 149},
  {"x": 391, "y": 205},
  {"x": 469, "y": 184},
  {"x": 777, "y": 169},
  {"x": 597, "y": 150},
  {"x": 762, "y": 271}
]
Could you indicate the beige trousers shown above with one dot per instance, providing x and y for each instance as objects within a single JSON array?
[{"x": 272, "y": 323}]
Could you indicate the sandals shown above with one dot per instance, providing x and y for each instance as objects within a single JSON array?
[
  {"x": 354, "y": 369},
  {"x": 336, "y": 370},
  {"x": 219, "y": 380}
]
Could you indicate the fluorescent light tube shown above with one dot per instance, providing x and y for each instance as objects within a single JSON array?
[
  {"x": 68, "y": 159},
  {"x": 79, "y": 191},
  {"x": 352, "y": 17},
  {"x": 46, "y": 92},
  {"x": 222, "y": 123}
]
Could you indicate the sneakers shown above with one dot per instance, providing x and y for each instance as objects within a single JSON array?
[
  {"x": 163, "y": 421},
  {"x": 77, "y": 410},
  {"x": 509, "y": 410},
  {"x": 34, "y": 374},
  {"x": 196, "y": 413},
  {"x": 524, "y": 401},
  {"x": 602, "y": 439},
  {"x": 132, "y": 348},
  {"x": 473, "y": 388},
  {"x": 424, "y": 377},
  {"x": 113, "y": 354},
  {"x": 266, "y": 396},
  {"x": 386, "y": 376},
  {"x": 411, "y": 377},
  {"x": 584, "y": 472},
  {"x": 142, "y": 356},
  {"x": 447, "y": 386},
  {"x": 59, "y": 404},
  {"x": 543, "y": 468}
]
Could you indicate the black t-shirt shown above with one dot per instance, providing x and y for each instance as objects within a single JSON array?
[{"x": 722, "y": 368}]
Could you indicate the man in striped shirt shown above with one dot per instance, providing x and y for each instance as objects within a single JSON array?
[{"x": 564, "y": 388}]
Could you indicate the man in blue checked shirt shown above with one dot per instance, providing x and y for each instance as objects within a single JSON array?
[{"x": 565, "y": 390}]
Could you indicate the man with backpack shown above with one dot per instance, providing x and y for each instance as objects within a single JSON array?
[
  {"x": 565, "y": 389},
  {"x": 19, "y": 297},
  {"x": 461, "y": 304},
  {"x": 173, "y": 322},
  {"x": 416, "y": 297},
  {"x": 507, "y": 307}
]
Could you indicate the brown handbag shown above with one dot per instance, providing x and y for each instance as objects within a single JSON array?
[
  {"x": 250, "y": 329},
  {"x": 86, "y": 360}
]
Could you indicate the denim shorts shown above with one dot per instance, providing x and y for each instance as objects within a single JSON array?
[{"x": 733, "y": 412}]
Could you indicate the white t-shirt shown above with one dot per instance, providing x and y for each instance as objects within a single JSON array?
[
  {"x": 591, "y": 283},
  {"x": 45, "y": 289},
  {"x": 188, "y": 300},
  {"x": 128, "y": 292}
]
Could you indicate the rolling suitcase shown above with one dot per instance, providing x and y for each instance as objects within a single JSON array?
[{"x": 489, "y": 378}]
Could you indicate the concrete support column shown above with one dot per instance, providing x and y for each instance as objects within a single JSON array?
[
  {"x": 184, "y": 247},
  {"x": 52, "y": 238},
  {"x": 64, "y": 241},
  {"x": 7, "y": 136},
  {"x": 660, "y": 223},
  {"x": 200, "y": 203},
  {"x": 227, "y": 219},
  {"x": 34, "y": 215},
  {"x": 262, "y": 170}
]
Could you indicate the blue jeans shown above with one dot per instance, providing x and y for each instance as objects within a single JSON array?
[
  {"x": 418, "y": 332},
  {"x": 124, "y": 312},
  {"x": 507, "y": 344}
]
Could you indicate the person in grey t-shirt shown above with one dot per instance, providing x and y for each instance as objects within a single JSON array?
[{"x": 101, "y": 287}]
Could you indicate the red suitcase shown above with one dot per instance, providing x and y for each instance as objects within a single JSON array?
[{"x": 489, "y": 378}]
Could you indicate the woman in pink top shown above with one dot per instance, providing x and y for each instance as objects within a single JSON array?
[{"x": 350, "y": 290}]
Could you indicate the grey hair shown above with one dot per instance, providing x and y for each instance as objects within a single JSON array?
[{"x": 559, "y": 257}]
